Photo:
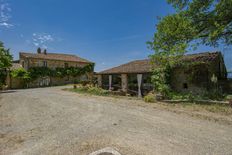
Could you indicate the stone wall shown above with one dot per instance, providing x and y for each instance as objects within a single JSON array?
[
  {"x": 14, "y": 83},
  {"x": 197, "y": 79},
  {"x": 181, "y": 82},
  {"x": 58, "y": 81}
]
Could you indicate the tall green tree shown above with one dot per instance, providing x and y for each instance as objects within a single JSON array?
[
  {"x": 5, "y": 63},
  {"x": 207, "y": 22},
  {"x": 5, "y": 57}
]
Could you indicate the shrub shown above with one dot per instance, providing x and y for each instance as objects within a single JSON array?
[
  {"x": 22, "y": 74},
  {"x": 97, "y": 91},
  {"x": 92, "y": 90},
  {"x": 85, "y": 82},
  {"x": 76, "y": 81},
  {"x": 149, "y": 98}
]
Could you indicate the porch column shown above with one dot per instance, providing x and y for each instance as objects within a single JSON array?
[
  {"x": 99, "y": 80},
  {"x": 110, "y": 82},
  {"x": 124, "y": 82},
  {"x": 139, "y": 79}
]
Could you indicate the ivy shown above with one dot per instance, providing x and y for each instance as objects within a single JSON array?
[{"x": 36, "y": 72}]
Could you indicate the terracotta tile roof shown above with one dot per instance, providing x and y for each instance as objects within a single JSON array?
[
  {"x": 137, "y": 66},
  {"x": 145, "y": 66},
  {"x": 202, "y": 57},
  {"x": 54, "y": 56}
]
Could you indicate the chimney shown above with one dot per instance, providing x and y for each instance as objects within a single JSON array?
[
  {"x": 45, "y": 51},
  {"x": 39, "y": 50}
]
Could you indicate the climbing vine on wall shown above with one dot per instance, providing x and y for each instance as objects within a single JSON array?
[
  {"x": 36, "y": 72},
  {"x": 164, "y": 67}
]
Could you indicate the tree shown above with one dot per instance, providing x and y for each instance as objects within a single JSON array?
[
  {"x": 5, "y": 57},
  {"x": 195, "y": 22},
  {"x": 207, "y": 22},
  {"x": 5, "y": 63}
]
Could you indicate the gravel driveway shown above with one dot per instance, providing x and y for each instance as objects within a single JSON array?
[{"x": 52, "y": 121}]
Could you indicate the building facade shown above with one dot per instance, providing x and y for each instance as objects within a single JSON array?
[
  {"x": 50, "y": 60},
  {"x": 135, "y": 77}
]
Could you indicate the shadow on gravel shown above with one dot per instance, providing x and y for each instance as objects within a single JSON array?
[{"x": 7, "y": 91}]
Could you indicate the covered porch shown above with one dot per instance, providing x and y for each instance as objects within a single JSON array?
[{"x": 133, "y": 78}]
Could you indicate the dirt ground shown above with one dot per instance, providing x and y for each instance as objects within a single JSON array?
[{"x": 53, "y": 121}]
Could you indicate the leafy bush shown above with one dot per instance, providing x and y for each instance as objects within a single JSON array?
[
  {"x": 149, "y": 98},
  {"x": 22, "y": 74},
  {"x": 97, "y": 91},
  {"x": 85, "y": 82},
  {"x": 3, "y": 75},
  {"x": 91, "y": 90}
]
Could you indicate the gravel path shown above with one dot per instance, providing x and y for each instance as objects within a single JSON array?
[{"x": 52, "y": 121}]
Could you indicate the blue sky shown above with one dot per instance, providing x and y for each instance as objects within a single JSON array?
[{"x": 107, "y": 32}]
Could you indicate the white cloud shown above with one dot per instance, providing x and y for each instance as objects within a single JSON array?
[
  {"x": 42, "y": 39},
  {"x": 5, "y": 14},
  {"x": 4, "y": 24}
]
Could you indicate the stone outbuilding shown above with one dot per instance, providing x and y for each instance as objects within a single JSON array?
[{"x": 135, "y": 77}]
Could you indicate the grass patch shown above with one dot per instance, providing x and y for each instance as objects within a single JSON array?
[
  {"x": 90, "y": 90},
  {"x": 150, "y": 98},
  {"x": 223, "y": 109}
]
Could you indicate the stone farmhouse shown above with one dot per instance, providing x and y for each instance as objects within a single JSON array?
[
  {"x": 52, "y": 61},
  {"x": 135, "y": 77}
]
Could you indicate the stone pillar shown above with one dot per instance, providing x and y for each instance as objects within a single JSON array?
[
  {"x": 139, "y": 79},
  {"x": 110, "y": 82},
  {"x": 124, "y": 82},
  {"x": 99, "y": 80}
]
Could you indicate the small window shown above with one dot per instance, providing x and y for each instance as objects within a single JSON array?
[
  {"x": 66, "y": 65},
  {"x": 45, "y": 63},
  {"x": 185, "y": 85},
  {"x": 23, "y": 64}
]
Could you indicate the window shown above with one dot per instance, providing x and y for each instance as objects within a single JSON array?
[
  {"x": 66, "y": 65},
  {"x": 185, "y": 85},
  {"x": 23, "y": 64},
  {"x": 45, "y": 64}
]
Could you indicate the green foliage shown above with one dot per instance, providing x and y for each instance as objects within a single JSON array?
[
  {"x": 22, "y": 74},
  {"x": 183, "y": 96},
  {"x": 5, "y": 63},
  {"x": 91, "y": 90},
  {"x": 5, "y": 57},
  {"x": 3, "y": 75},
  {"x": 36, "y": 72},
  {"x": 207, "y": 95},
  {"x": 150, "y": 98},
  {"x": 195, "y": 22},
  {"x": 161, "y": 77},
  {"x": 167, "y": 40}
]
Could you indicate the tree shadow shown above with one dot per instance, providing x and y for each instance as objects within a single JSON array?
[{"x": 7, "y": 91}]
